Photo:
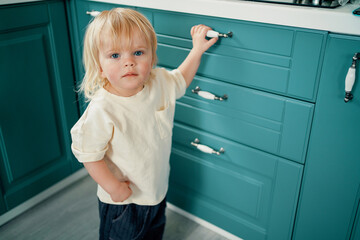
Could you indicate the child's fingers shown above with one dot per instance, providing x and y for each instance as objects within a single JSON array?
[
  {"x": 192, "y": 30},
  {"x": 211, "y": 42},
  {"x": 201, "y": 29},
  {"x": 198, "y": 34}
]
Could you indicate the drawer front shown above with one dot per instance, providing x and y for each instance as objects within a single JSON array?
[
  {"x": 276, "y": 59},
  {"x": 244, "y": 191},
  {"x": 272, "y": 123}
]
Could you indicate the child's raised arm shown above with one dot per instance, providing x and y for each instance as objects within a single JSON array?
[{"x": 189, "y": 67}]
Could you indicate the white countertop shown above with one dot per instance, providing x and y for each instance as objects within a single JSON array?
[{"x": 338, "y": 20}]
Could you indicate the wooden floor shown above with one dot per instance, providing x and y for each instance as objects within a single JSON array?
[{"x": 72, "y": 214}]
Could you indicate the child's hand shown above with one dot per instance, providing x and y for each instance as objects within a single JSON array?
[
  {"x": 200, "y": 43},
  {"x": 122, "y": 192},
  {"x": 191, "y": 64}
]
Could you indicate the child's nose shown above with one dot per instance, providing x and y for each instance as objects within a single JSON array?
[{"x": 129, "y": 62}]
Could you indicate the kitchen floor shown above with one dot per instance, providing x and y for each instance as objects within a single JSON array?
[{"x": 72, "y": 214}]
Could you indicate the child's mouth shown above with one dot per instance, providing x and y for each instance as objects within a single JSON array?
[{"x": 130, "y": 75}]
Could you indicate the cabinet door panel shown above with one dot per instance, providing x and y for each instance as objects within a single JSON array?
[
  {"x": 37, "y": 101},
  {"x": 29, "y": 121},
  {"x": 244, "y": 191},
  {"x": 331, "y": 185},
  {"x": 39, "y": 16},
  {"x": 265, "y": 121}
]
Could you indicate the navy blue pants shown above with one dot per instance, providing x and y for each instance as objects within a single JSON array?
[{"x": 131, "y": 221}]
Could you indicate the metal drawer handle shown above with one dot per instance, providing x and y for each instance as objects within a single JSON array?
[
  {"x": 208, "y": 95},
  {"x": 205, "y": 148},
  {"x": 93, "y": 13},
  {"x": 350, "y": 78}
]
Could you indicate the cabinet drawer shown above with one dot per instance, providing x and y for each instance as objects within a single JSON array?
[
  {"x": 261, "y": 120},
  {"x": 272, "y": 58},
  {"x": 244, "y": 191}
]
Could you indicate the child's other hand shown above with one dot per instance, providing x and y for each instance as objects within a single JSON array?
[
  {"x": 122, "y": 192},
  {"x": 200, "y": 43}
]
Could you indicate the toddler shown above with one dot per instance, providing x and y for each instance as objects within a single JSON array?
[{"x": 124, "y": 136}]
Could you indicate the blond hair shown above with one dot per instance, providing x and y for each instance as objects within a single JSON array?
[{"x": 120, "y": 22}]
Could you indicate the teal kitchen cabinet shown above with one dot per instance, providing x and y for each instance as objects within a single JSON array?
[
  {"x": 329, "y": 202},
  {"x": 251, "y": 190},
  {"x": 37, "y": 100}
]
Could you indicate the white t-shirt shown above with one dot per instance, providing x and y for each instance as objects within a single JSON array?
[{"x": 133, "y": 136}]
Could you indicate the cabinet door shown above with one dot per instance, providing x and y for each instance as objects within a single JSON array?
[
  {"x": 37, "y": 99},
  {"x": 329, "y": 198},
  {"x": 244, "y": 191}
]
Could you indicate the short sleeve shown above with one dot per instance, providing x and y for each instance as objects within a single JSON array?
[
  {"x": 91, "y": 135},
  {"x": 173, "y": 80},
  {"x": 180, "y": 83}
]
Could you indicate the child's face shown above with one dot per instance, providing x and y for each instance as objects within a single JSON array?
[{"x": 126, "y": 68}]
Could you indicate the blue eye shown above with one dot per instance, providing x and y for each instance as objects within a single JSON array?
[
  {"x": 138, "y": 53},
  {"x": 115, "y": 55}
]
